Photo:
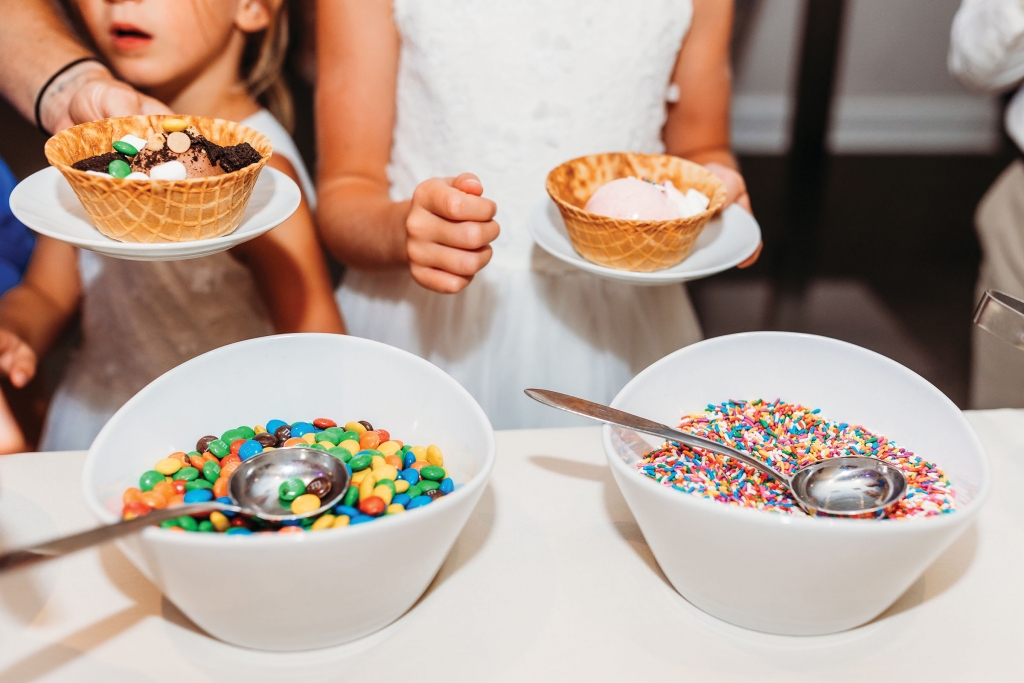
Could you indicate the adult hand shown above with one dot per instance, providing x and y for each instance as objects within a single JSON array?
[
  {"x": 735, "y": 193},
  {"x": 17, "y": 359},
  {"x": 90, "y": 92},
  {"x": 448, "y": 232}
]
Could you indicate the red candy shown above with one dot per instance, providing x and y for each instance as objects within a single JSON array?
[
  {"x": 324, "y": 423},
  {"x": 135, "y": 509},
  {"x": 373, "y": 506}
]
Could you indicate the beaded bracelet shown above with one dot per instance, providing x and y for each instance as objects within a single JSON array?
[{"x": 54, "y": 77}]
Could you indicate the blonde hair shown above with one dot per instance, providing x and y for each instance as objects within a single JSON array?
[{"x": 263, "y": 65}]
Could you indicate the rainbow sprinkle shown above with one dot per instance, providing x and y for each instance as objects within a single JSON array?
[{"x": 787, "y": 436}]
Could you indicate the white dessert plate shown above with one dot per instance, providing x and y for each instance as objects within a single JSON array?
[
  {"x": 46, "y": 203},
  {"x": 728, "y": 240}
]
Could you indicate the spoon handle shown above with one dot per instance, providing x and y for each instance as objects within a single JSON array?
[
  {"x": 69, "y": 544},
  {"x": 597, "y": 411}
]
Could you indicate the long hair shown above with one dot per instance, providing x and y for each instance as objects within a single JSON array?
[{"x": 263, "y": 64}]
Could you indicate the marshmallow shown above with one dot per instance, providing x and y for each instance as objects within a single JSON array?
[
  {"x": 136, "y": 175},
  {"x": 98, "y": 173},
  {"x": 172, "y": 170},
  {"x": 135, "y": 141}
]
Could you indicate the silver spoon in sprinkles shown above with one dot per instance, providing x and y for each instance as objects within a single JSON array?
[
  {"x": 253, "y": 489},
  {"x": 842, "y": 486}
]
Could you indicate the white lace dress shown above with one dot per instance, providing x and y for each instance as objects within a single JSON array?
[
  {"x": 508, "y": 90},
  {"x": 140, "y": 319}
]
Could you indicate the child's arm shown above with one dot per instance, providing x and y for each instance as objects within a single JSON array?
[
  {"x": 32, "y": 314},
  {"x": 443, "y": 233},
  {"x": 289, "y": 269}
]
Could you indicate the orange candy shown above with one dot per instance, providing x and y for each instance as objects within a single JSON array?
[
  {"x": 419, "y": 464},
  {"x": 210, "y": 457},
  {"x": 154, "y": 500},
  {"x": 290, "y": 530},
  {"x": 180, "y": 456},
  {"x": 394, "y": 461},
  {"x": 220, "y": 487},
  {"x": 294, "y": 441},
  {"x": 179, "y": 486},
  {"x": 165, "y": 489},
  {"x": 131, "y": 495},
  {"x": 176, "y": 528},
  {"x": 368, "y": 440},
  {"x": 235, "y": 445},
  {"x": 228, "y": 459},
  {"x": 175, "y": 500},
  {"x": 135, "y": 509},
  {"x": 197, "y": 462},
  {"x": 226, "y": 470}
]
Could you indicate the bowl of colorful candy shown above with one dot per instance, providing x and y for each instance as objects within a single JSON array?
[
  {"x": 419, "y": 447},
  {"x": 730, "y": 539}
]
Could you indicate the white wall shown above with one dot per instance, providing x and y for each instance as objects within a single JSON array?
[{"x": 893, "y": 95}]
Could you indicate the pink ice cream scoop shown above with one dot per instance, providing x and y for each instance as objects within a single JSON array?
[{"x": 633, "y": 199}]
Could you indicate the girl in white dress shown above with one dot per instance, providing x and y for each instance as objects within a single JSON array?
[
  {"x": 215, "y": 58},
  {"x": 411, "y": 93}
]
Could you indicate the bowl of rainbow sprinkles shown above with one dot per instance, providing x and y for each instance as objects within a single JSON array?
[{"x": 731, "y": 540}]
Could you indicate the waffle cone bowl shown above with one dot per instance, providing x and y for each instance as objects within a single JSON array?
[
  {"x": 158, "y": 210},
  {"x": 639, "y": 246}
]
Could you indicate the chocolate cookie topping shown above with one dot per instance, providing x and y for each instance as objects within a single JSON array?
[{"x": 98, "y": 163}]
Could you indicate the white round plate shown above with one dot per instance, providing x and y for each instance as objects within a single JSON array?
[
  {"x": 728, "y": 240},
  {"x": 46, "y": 203}
]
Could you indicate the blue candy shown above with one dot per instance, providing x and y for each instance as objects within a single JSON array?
[
  {"x": 402, "y": 499},
  {"x": 418, "y": 502},
  {"x": 227, "y": 501},
  {"x": 291, "y": 522},
  {"x": 249, "y": 449},
  {"x": 198, "y": 496},
  {"x": 447, "y": 486},
  {"x": 301, "y": 428},
  {"x": 410, "y": 475},
  {"x": 238, "y": 530},
  {"x": 346, "y": 510},
  {"x": 360, "y": 519},
  {"x": 410, "y": 458},
  {"x": 274, "y": 425}
]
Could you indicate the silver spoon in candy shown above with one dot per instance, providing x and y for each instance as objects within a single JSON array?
[
  {"x": 253, "y": 489},
  {"x": 841, "y": 486}
]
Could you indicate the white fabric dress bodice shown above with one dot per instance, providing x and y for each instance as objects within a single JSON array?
[
  {"x": 509, "y": 90},
  {"x": 141, "y": 319}
]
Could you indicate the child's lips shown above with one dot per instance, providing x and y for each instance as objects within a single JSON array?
[{"x": 126, "y": 37}]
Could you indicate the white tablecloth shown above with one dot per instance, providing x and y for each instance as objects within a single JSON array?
[{"x": 550, "y": 580}]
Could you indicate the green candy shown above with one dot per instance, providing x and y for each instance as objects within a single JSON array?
[
  {"x": 349, "y": 436},
  {"x": 118, "y": 168},
  {"x": 414, "y": 491},
  {"x": 351, "y": 496},
  {"x": 340, "y": 453},
  {"x": 186, "y": 474},
  {"x": 317, "y": 447},
  {"x": 424, "y": 484},
  {"x": 218, "y": 448},
  {"x": 125, "y": 148},
  {"x": 205, "y": 526},
  {"x": 231, "y": 436},
  {"x": 290, "y": 489},
  {"x": 372, "y": 452},
  {"x": 360, "y": 462},
  {"x": 211, "y": 471},
  {"x": 188, "y": 524},
  {"x": 246, "y": 432},
  {"x": 327, "y": 436},
  {"x": 168, "y": 523},
  {"x": 150, "y": 479},
  {"x": 432, "y": 472},
  {"x": 198, "y": 484}
]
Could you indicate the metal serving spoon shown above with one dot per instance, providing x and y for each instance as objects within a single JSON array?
[
  {"x": 1001, "y": 315},
  {"x": 253, "y": 489},
  {"x": 843, "y": 486}
]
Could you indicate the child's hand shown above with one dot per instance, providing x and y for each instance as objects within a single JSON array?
[
  {"x": 735, "y": 193},
  {"x": 449, "y": 231},
  {"x": 17, "y": 359}
]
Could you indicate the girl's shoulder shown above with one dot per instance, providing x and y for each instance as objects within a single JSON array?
[{"x": 264, "y": 122}]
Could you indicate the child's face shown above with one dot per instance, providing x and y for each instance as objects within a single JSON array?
[{"x": 151, "y": 43}]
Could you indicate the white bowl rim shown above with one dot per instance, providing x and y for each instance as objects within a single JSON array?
[
  {"x": 479, "y": 479},
  {"x": 840, "y": 525}
]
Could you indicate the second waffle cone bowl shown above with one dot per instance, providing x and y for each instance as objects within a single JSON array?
[
  {"x": 149, "y": 211},
  {"x": 639, "y": 246}
]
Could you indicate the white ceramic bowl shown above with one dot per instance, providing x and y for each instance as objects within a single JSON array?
[
  {"x": 295, "y": 592},
  {"x": 778, "y": 573}
]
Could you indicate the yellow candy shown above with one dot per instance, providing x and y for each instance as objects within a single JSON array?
[
  {"x": 305, "y": 503},
  {"x": 167, "y": 466},
  {"x": 366, "y": 488},
  {"x": 385, "y": 472},
  {"x": 354, "y": 427},
  {"x": 259, "y": 429},
  {"x": 377, "y": 462},
  {"x": 309, "y": 438},
  {"x": 420, "y": 452},
  {"x": 219, "y": 521},
  {"x": 394, "y": 509},
  {"x": 357, "y": 477},
  {"x": 325, "y": 522},
  {"x": 351, "y": 446},
  {"x": 434, "y": 456},
  {"x": 401, "y": 486},
  {"x": 172, "y": 124},
  {"x": 389, "y": 447},
  {"x": 341, "y": 520},
  {"x": 383, "y": 492}
]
